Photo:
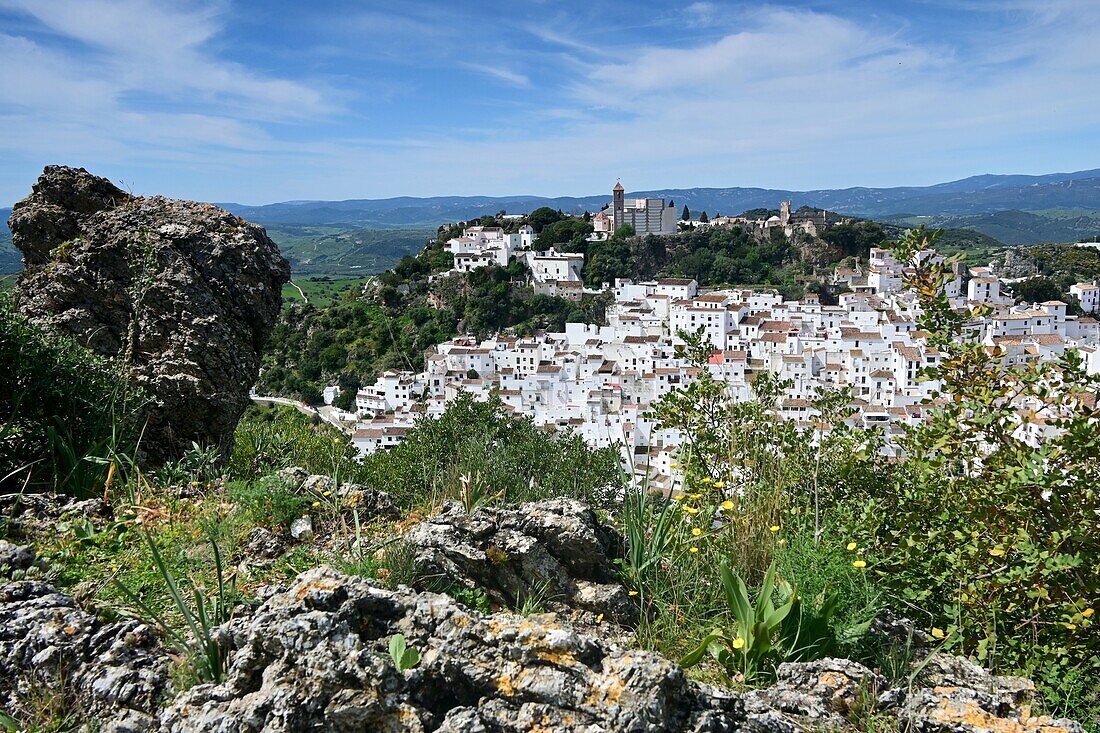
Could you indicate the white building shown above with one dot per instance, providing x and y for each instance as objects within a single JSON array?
[
  {"x": 555, "y": 266},
  {"x": 1088, "y": 294},
  {"x": 601, "y": 381}
]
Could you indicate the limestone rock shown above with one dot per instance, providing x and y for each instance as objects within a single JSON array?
[
  {"x": 184, "y": 292},
  {"x": 301, "y": 528},
  {"x": 314, "y": 657},
  {"x": 263, "y": 545},
  {"x": 958, "y": 696},
  {"x": 554, "y": 550},
  {"x": 368, "y": 502},
  {"x": 32, "y": 514},
  {"x": 16, "y": 560},
  {"x": 115, "y": 673}
]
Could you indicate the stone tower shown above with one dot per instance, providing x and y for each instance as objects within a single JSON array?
[
  {"x": 619, "y": 203},
  {"x": 784, "y": 212}
]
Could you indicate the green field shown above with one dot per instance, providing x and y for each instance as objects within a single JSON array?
[
  {"x": 319, "y": 250},
  {"x": 7, "y": 282},
  {"x": 320, "y": 290}
]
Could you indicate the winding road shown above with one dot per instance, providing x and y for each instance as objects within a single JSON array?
[{"x": 325, "y": 413}]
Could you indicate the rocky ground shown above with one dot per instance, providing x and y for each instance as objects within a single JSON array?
[{"x": 313, "y": 653}]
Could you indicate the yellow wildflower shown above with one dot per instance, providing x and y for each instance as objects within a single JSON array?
[
  {"x": 1070, "y": 627},
  {"x": 1087, "y": 613},
  {"x": 781, "y": 541},
  {"x": 852, "y": 546},
  {"x": 316, "y": 504},
  {"x": 739, "y": 643},
  {"x": 996, "y": 552},
  {"x": 691, "y": 510},
  {"x": 632, "y": 593},
  {"x": 774, "y": 528},
  {"x": 679, "y": 497},
  {"x": 727, "y": 505},
  {"x": 719, "y": 484},
  {"x": 937, "y": 633},
  {"x": 693, "y": 550},
  {"x": 326, "y": 493},
  {"x": 599, "y": 619},
  {"x": 696, "y": 531},
  {"x": 695, "y": 496},
  {"x": 706, "y": 479},
  {"x": 674, "y": 464},
  {"x": 859, "y": 564}
]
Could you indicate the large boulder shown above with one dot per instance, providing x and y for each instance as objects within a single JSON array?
[
  {"x": 184, "y": 292},
  {"x": 554, "y": 554}
]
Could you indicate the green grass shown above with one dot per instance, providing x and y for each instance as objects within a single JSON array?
[
  {"x": 321, "y": 290},
  {"x": 7, "y": 283}
]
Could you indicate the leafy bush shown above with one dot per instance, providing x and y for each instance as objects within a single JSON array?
[
  {"x": 991, "y": 529},
  {"x": 271, "y": 501},
  {"x": 506, "y": 455},
  {"x": 65, "y": 413},
  {"x": 269, "y": 438}
]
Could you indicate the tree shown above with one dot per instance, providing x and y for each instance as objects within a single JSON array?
[
  {"x": 854, "y": 239},
  {"x": 703, "y": 218},
  {"x": 626, "y": 231},
  {"x": 345, "y": 401},
  {"x": 1037, "y": 290},
  {"x": 685, "y": 215},
  {"x": 543, "y": 216},
  {"x": 566, "y": 230}
]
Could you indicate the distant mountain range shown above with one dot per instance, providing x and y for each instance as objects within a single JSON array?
[
  {"x": 1014, "y": 209},
  {"x": 975, "y": 195}
]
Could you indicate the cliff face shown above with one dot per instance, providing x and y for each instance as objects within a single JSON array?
[{"x": 184, "y": 292}]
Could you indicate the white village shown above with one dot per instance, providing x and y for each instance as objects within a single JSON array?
[{"x": 602, "y": 380}]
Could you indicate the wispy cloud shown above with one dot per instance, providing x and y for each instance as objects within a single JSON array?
[{"x": 499, "y": 72}]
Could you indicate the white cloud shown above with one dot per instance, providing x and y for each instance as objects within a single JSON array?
[
  {"x": 499, "y": 72},
  {"x": 160, "y": 49}
]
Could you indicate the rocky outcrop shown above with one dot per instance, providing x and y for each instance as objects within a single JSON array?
[
  {"x": 184, "y": 292},
  {"x": 314, "y": 656},
  {"x": 951, "y": 695},
  {"x": 370, "y": 503},
  {"x": 553, "y": 553},
  {"x": 115, "y": 674}
]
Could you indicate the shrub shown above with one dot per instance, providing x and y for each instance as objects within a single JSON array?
[
  {"x": 269, "y": 438},
  {"x": 507, "y": 457},
  {"x": 271, "y": 501},
  {"x": 65, "y": 413},
  {"x": 991, "y": 528}
]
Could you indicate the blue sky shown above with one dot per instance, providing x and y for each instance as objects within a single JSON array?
[{"x": 257, "y": 102}]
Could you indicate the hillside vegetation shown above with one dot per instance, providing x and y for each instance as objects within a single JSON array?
[
  {"x": 1015, "y": 226},
  {"x": 780, "y": 549}
]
